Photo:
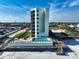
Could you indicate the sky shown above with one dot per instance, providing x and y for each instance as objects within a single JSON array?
[{"x": 19, "y": 10}]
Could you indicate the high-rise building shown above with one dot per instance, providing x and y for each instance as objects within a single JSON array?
[{"x": 40, "y": 22}]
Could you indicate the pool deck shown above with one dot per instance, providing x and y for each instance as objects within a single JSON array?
[{"x": 29, "y": 45}]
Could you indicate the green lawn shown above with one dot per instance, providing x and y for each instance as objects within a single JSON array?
[{"x": 24, "y": 35}]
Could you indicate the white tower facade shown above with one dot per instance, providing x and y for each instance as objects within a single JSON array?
[{"x": 40, "y": 22}]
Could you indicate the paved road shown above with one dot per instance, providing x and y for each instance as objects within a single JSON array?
[
  {"x": 7, "y": 40},
  {"x": 12, "y": 35},
  {"x": 8, "y": 33}
]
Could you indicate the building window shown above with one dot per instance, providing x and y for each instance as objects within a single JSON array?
[
  {"x": 37, "y": 14},
  {"x": 37, "y": 10},
  {"x": 33, "y": 11},
  {"x": 33, "y": 29},
  {"x": 32, "y": 15},
  {"x": 33, "y": 18},
  {"x": 37, "y": 18},
  {"x": 33, "y": 35},
  {"x": 37, "y": 21},
  {"x": 33, "y": 25},
  {"x": 37, "y": 29},
  {"x": 37, "y": 32},
  {"x": 33, "y": 32},
  {"x": 33, "y": 22},
  {"x": 37, "y": 25}
]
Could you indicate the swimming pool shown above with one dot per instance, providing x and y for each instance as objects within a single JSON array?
[{"x": 40, "y": 39}]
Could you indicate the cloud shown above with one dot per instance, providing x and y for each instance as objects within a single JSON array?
[
  {"x": 14, "y": 9},
  {"x": 57, "y": 6},
  {"x": 12, "y": 13},
  {"x": 60, "y": 4},
  {"x": 63, "y": 14},
  {"x": 59, "y": 12},
  {"x": 11, "y": 18},
  {"x": 74, "y": 3}
]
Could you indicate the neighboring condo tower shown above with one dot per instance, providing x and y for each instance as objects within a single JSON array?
[{"x": 40, "y": 22}]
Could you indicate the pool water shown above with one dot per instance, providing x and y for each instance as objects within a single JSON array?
[{"x": 40, "y": 39}]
